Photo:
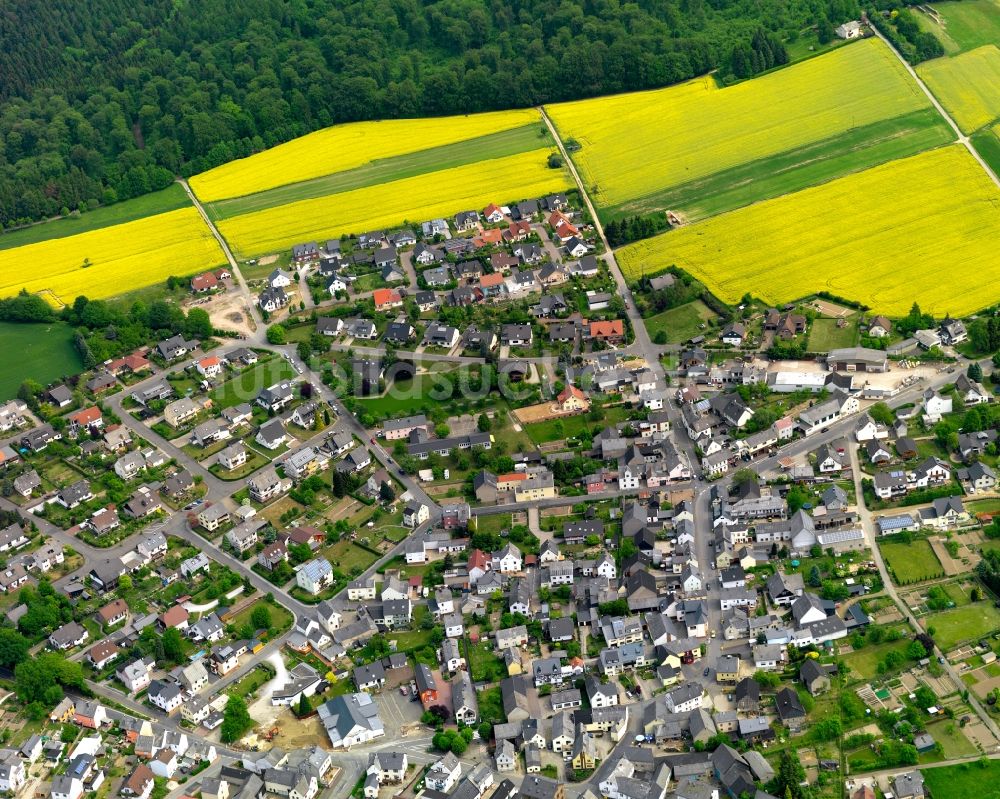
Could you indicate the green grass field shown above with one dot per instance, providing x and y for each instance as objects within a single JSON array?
[
  {"x": 470, "y": 151},
  {"x": 493, "y": 523},
  {"x": 864, "y": 662},
  {"x": 983, "y": 506},
  {"x": 968, "y": 24},
  {"x": 43, "y": 353},
  {"x": 415, "y": 638},
  {"x": 987, "y": 144},
  {"x": 963, "y": 780},
  {"x": 346, "y": 555},
  {"x": 681, "y": 323},
  {"x": 156, "y": 203},
  {"x": 968, "y": 623},
  {"x": 815, "y": 163},
  {"x": 248, "y": 683},
  {"x": 281, "y": 619},
  {"x": 807, "y": 46},
  {"x": 957, "y": 594},
  {"x": 558, "y": 429},
  {"x": 484, "y": 664},
  {"x": 824, "y": 335},
  {"x": 911, "y": 563},
  {"x": 953, "y": 742},
  {"x": 401, "y": 399},
  {"x": 245, "y": 386}
]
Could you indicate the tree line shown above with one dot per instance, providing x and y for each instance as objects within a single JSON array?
[{"x": 110, "y": 99}]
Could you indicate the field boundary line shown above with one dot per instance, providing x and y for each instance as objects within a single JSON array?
[
  {"x": 251, "y": 305},
  {"x": 962, "y": 138}
]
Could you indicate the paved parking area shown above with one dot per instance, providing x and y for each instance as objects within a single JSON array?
[{"x": 399, "y": 712}]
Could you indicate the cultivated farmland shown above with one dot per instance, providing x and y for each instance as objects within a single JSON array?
[
  {"x": 417, "y": 198},
  {"x": 385, "y": 170},
  {"x": 112, "y": 260},
  {"x": 921, "y": 229},
  {"x": 636, "y": 147},
  {"x": 158, "y": 202},
  {"x": 967, "y": 24},
  {"x": 345, "y": 147},
  {"x": 967, "y": 85},
  {"x": 987, "y": 144}
]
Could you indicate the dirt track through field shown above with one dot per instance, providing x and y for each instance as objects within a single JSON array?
[{"x": 951, "y": 565}]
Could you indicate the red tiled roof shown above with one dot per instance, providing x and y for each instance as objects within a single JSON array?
[
  {"x": 173, "y": 616},
  {"x": 87, "y": 415},
  {"x": 557, "y": 218},
  {"x": 136, "y": 361},
  {"x": 113, "y": 609},
  {"x": 478, "y": 558},
  {"x": 385, "y": 296},
  {"x": 570, "y": 391},
  {"x": 614, "y": 327},
  {"x": 565, "y": 231},
  {"x": 204, "y": 281},
  {"x": 491, "y": 236},
  {"x": 103, "y": 650}
]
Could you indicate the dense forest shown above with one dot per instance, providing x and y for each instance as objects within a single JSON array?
[{"x": 108, "y": 99}]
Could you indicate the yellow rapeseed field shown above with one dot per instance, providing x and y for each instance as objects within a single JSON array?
[
  {"x": 416, "y": 199},
  {"x": 968, "y": 85},
  {"x": 122, "y": 257},
  {"x": 634, "y": 145},
  {"x": 920, "y": 229},
  {"x": 347, "y": 146}
]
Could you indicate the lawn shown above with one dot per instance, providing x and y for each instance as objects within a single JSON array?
[
  {"x": 281, "y": 619},
  {"x": 963, "y": 780},
  {"x": 681, "y": 323},
  {"x": 346, "y": 555},
  {"x": 44, "y": 353},
  {"x": 953, "y": 742},
  {"x": 402, "y": 398},
  {"x": 469, "y": 151},
  {"x": 864, "y": 662},
  {"x": 417, "y": 638},
  {"x": 245, "y": 386},
  {"x": 568, "y": 426},
  {"x": 157, "y": 202},
  {"x": 968, "y": 623},
  {"x": 504, "y": 432},
  {"x": 493, "y": 523},
  {"x": 957, "y": 594},
  {"x": 249, "y": 682},
  {"x": 824, "y": 335},
  {"x": 387, "y": 525},
  {"x": 254, "y": 461},
  {"x": 484, "y": 664},
  {"x": 983, "y": 506},
  {"x": 911, "y": 563}
]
